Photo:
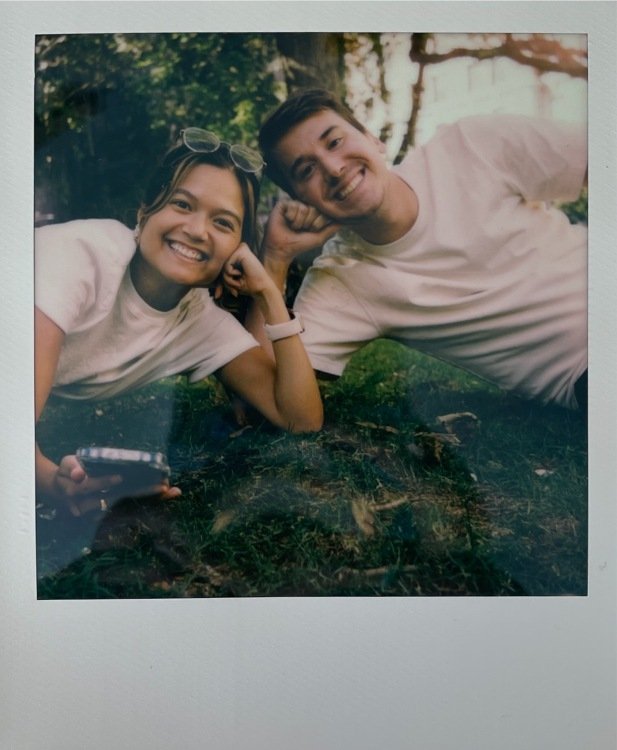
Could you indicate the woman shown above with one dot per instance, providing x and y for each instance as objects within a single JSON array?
[{"x": 116, "y": 309}]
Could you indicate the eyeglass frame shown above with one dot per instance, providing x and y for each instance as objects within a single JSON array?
[{"x": 230, "y": 147}]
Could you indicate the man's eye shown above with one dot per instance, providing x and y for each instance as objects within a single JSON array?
[
  {"x": 305, "y": 172},
  {"x": 334, "y": 142}
]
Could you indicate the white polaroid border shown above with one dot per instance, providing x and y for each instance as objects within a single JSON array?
[{"x": 303, "y": 673}]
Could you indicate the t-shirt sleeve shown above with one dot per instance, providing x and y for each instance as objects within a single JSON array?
[
  {"x": 70, "y": 270},
  {"x": 336, "y": 322},
  {"x": 218, "y": 339},
  {"x": 539, "y": 159}
]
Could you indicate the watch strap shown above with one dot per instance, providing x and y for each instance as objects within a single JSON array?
[{"x": 277, "y": 331}]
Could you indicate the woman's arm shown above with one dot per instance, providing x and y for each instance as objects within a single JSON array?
[
  {"x": 67, "y": 482},
  {"x": 48, "y": 343},
  {"x": 293, "y": 228},
  {"x": 280, "y": 390},
  {"x": 285, "y": 390},
  {"x": 48, "y": 339}
]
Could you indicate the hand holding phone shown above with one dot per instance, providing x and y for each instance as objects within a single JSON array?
[{"x": 138, "y": 469}]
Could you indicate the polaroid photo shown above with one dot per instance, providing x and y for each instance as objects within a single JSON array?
[{"x": 431, "y": 521}]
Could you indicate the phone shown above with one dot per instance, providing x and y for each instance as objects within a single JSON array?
[{"x": 135, "y": 466}]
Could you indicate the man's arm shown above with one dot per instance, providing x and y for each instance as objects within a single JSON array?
[{"x": 540, "y": 159}]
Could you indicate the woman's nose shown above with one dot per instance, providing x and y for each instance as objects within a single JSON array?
[{"x": 196, "y": 226}]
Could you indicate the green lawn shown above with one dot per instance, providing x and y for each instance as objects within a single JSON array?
[{"x": 387, "y": 500}]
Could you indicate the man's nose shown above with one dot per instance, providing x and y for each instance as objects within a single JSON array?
[{"x": 333, "y": 167}]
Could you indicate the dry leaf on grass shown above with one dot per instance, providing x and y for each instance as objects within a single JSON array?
[
  {"x": 376, "y": 507},
  {"x": 363, "y": 516},
  {"x": 543, "y": 472},
  {"x": 458, "y": 422},
  {"x": 431, "y": 444},
  {"x": 239, "y": 432},
  {"x": 222, "y": 520},
  {"x": 382, "y": 427}
]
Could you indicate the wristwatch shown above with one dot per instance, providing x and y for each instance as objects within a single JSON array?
[{"x": 291, "y": 327}]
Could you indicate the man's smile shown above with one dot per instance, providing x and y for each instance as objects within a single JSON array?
[{"x": 348, "y": 189}]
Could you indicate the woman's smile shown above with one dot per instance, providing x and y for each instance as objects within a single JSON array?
[
  {"x": 187, "y": 242},
  {"x": 187, "y": 253}
]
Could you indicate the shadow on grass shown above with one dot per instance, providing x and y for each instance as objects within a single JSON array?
[{"x": 386, "y": 501}]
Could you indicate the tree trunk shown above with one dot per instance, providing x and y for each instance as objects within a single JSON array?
[{"x": 312, "y": 61}]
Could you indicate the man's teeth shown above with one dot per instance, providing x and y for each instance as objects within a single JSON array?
[
  {"x": 186, "y": 252},
  {"x": 342, "y": 194}
]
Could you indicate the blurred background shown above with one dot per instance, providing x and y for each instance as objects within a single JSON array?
[{"x": 108, "y": 105}]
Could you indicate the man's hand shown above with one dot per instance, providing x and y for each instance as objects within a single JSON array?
[{"x": 294, "y": 228}]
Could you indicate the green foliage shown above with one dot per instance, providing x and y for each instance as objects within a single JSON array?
[
  {"x": 108, "y": 105},
  {"x": 577, "y": 211}
]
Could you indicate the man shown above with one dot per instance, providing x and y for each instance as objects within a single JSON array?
[{"x": 455, "y": 252}]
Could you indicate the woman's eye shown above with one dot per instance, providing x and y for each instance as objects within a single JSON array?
[
  {"x": 226, "y": 224},
  {"x": 180, "y": 203},
  {"x": 334, "y": 142}
]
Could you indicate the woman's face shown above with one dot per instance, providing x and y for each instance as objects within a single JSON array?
[{"x": 188, "y": 241}]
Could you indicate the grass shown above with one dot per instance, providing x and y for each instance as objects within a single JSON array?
[{"x": 386, "y": 501}]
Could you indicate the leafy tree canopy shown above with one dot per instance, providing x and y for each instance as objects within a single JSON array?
[{"x": 107, "y": 106}]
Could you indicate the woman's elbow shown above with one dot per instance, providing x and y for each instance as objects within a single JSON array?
[{"x": 308, "y": 423}]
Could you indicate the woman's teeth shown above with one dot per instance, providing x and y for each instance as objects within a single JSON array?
[{"x": 186, "y": 252}]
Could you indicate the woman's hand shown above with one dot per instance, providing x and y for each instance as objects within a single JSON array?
[
  {"x": 278, "y": 381},
  {"x": 244, "y": 274},
  {"x": 68, "y": 485}
]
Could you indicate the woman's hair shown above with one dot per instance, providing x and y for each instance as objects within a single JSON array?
[{"x": 174, "y": 167}]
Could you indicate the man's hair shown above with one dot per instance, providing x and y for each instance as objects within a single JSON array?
[{"x": 296, "y": 109}]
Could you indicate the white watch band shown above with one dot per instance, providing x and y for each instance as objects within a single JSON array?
[{"x": 279, "y": 331}]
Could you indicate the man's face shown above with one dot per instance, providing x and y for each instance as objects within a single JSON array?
[{"x": 334, "y": 167}]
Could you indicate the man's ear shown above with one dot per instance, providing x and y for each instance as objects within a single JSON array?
[{"x": 380, "y": 144}]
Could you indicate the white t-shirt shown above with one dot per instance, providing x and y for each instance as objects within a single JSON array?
[
  {"x": 114, "y": 340},
  {"x": 490, "y": 277}
]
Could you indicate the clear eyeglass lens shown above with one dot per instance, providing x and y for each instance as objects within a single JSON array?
[
  {"x": 205, "y": 141},
  {"x": 245, "y": 158},
  {"x": 200, "y": 140}
]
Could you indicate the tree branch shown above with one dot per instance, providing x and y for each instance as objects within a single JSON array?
[{"x": 544, "y": 55}]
